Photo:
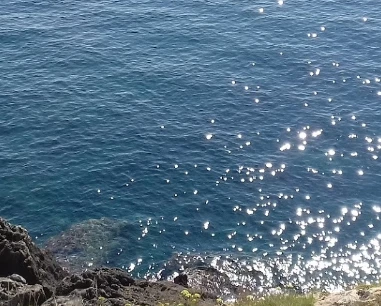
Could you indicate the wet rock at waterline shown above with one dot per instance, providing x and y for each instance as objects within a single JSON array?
[
  {"x": 229, "y": 277},
  {"x": 208, "y": 274},
  {"x": 206, "y": 279}
]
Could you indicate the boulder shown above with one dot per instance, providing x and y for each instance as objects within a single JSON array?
[{"x": 181, "y": 280}]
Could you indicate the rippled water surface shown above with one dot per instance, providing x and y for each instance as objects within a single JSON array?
[{"x": 245, "y": 132}]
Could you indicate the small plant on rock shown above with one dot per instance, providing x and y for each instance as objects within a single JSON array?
[
  {"x": 101, "y": 301},
  {"x": 191, "y": 299}
]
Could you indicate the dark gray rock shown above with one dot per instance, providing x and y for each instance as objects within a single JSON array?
[
  {"x": 116, "y": 287},
  {"x": 106, "y": 280},
  {"x": 19, "y": 255},
  {"x": 181, "y": 280}
]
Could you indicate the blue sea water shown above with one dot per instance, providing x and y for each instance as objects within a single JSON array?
[{"x": 240, "y": 129}]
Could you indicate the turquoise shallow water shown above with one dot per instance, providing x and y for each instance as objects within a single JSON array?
[{"x": 249, "y": 130}]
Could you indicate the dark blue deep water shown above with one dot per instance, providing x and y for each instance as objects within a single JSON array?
[{"x": 248, "y": 130}]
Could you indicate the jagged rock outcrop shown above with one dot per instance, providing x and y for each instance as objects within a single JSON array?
[
  {"x": 19, "y": 255},
  {"x": 30, "y": 276},
  {"x": 115, "y": 287},
  {"x": 102, "y": 282}
]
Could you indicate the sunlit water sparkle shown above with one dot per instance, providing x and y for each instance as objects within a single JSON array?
[{"x": 242, "y": 134}]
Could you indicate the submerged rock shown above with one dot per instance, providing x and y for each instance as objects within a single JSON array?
[{"x": 86, "y": 244}]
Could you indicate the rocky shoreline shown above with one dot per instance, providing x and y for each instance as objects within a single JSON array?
[{"x": 30, "y": 276}]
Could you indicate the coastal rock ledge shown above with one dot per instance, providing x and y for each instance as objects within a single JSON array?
[{"x": 30, "y": 276}]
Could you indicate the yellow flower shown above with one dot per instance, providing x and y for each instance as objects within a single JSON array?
[
  {"x": 186, "y": 293},
  {"x": 196, "y": 296},
  {"x": 219, "y": 301}
]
